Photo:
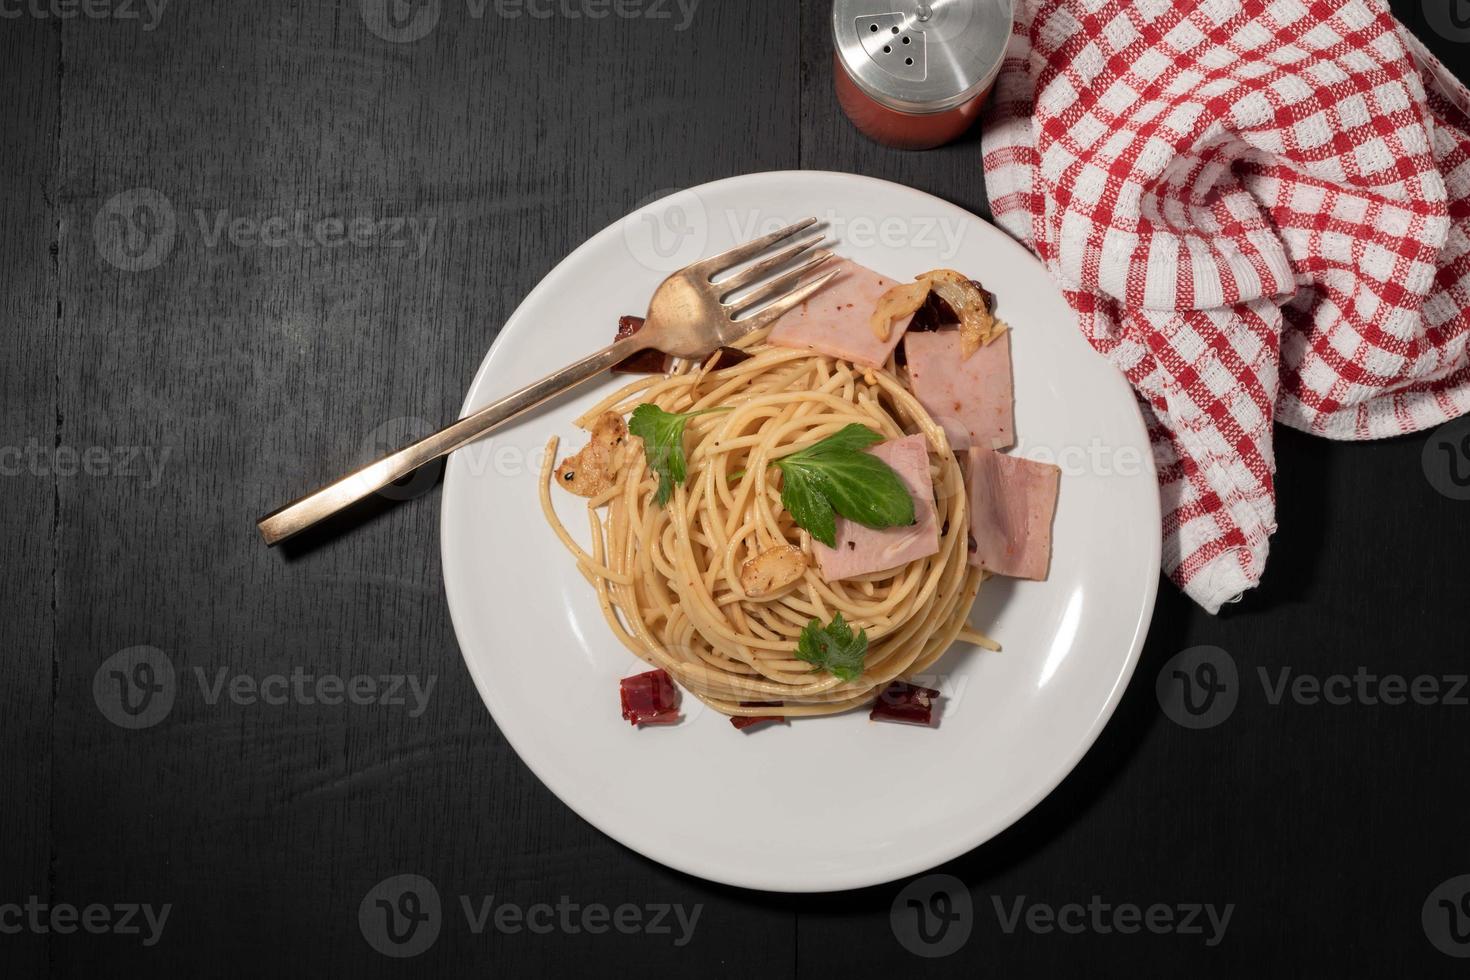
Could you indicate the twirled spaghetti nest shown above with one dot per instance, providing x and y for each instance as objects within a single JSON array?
[{"x": 668, "y": 577}]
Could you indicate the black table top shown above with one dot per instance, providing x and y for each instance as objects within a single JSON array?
[{"x": 162, "y": 393}]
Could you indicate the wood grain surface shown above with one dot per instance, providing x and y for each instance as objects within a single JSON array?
[{"x": 246, "y": 244}]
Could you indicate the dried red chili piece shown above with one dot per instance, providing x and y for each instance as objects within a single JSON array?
[
  {"x": 643, "y": 362},
  {"x": 901, "y": 701},
  {"x": 731, "y": 356},
  {"x": 649, "y": 699},
  {"x": 745, "y": 721}
]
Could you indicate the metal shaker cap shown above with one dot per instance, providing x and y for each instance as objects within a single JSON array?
[{"x": 921, "y": 57}]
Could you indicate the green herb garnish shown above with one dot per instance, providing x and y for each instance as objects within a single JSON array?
[
  {"x": 836, "y": 475},
  {"x": 663, "y": 443},
  {"x": 833, "y": 648}
]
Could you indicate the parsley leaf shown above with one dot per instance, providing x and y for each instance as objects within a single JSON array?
[
  {"x": 833, "y": 648},
  {"x": 836, "y": 475},
  {"x": 800, "y": 496},
  {"x": 849, "y": 438},
  {"x": 663, "y": 443}
]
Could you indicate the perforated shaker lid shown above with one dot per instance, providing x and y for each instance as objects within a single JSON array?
[{"x": 921, "y": 57}]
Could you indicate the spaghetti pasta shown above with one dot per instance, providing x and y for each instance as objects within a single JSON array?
[{"x": 668, "y": 577}]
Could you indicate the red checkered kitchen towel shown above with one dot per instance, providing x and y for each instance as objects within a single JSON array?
[{"x": 1260, "y": 212}]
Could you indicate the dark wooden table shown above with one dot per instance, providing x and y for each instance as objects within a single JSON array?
[{"x": 162, "y": 388}]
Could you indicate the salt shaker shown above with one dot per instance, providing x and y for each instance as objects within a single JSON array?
[{"x": 917, "y": 76}]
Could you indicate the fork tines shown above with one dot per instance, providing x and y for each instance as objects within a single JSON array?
[{"x": 760, "y": 300}]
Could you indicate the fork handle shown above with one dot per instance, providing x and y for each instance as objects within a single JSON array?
[{"x": 298, "y": 515}]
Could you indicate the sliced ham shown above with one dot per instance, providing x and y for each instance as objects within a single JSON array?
[
  {"x": 860, "y": 549},
  {"x": 835, "y": 320},
  {"x": 971, "y": 397},
  {"x": 1012, "y": 501}
]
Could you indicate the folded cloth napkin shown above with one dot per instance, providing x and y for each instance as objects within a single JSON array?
[{"x": 1259, "y": 211}]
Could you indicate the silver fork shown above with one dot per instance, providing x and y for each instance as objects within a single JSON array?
[{"x": 689, "y": 316}]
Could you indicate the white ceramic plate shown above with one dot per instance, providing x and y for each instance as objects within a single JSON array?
[{"x": 824, "y": 803}]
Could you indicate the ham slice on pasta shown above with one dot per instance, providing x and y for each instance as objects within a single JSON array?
[
  {"x": 861, "y": 550},
  {"x": 971, "y": 397},
  {"x": 837, "y": 320},
  {"x": 1012, "y": 501}
]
